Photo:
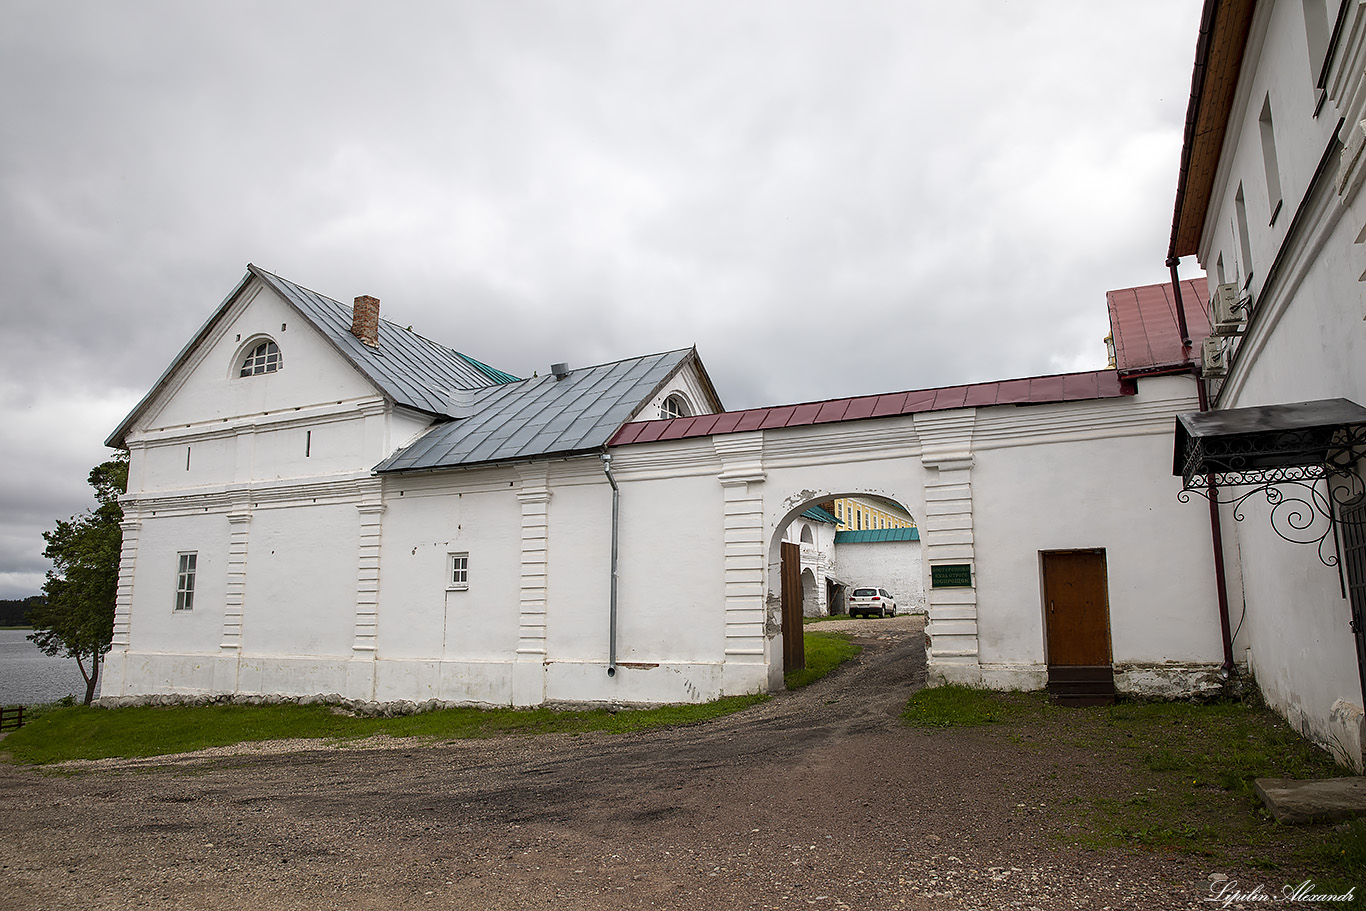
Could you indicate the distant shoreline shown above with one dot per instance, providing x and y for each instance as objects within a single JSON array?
[{"x": 16, "y": 627}]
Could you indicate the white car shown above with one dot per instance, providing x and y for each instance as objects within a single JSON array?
[{"x": 868, "y": 601}]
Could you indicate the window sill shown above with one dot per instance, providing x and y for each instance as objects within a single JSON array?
[{"x": 458, "y": 588}]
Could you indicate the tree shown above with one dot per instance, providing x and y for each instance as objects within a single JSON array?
[{"x": 76, "y": 616}]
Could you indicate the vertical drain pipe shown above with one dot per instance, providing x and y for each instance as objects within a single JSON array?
[
  {"x": 612, "y": 611},
  {"x": 1216, "y": 530}
]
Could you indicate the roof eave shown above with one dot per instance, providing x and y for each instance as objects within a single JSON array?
[
  {"x": 116, "y": 440},
  {"x": 1224, "y": 27}
]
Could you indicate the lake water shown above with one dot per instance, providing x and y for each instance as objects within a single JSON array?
[{"x": 28, "y": 676}]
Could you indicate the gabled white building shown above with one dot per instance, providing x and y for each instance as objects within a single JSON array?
[
  {"x": 321, "y": 502},
  {"x": 1269, "y": 201}
]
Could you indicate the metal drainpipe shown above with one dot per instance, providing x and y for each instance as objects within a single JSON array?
[
  {"x": 612, "y": 611},
  {"x": 1172, "y": 263},
  {"x": 1216, "y": 531}
]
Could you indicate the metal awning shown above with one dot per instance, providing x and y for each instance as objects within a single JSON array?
[
  {"x": 1268, "y": 444},
  {"x": 1281, "y": 452}
]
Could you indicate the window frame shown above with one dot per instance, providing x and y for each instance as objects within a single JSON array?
[
  {"x": 682, "y": 407},
  {"x": 252, "y": 361},
  {"x": 187, "y": 567},
  {"x": 458, "y": 562}
]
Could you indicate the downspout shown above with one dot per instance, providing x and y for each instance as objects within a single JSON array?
[
  {"x": 1172, "y": 263},
  {"x": 1216, "y": 531},
  {"x": 612, "y": 610}
]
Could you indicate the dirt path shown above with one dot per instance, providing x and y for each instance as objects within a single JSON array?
[{"x": 819, "y": 798}]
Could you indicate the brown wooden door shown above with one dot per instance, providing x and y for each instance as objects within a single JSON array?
[
  {"x": 794, "y": 648},
  {"x": 1076, "y": 608}
]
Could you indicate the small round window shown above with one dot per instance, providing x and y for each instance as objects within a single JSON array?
[
  {"x": 264, "y": 358},
  {"x": 675, "y": 406}
]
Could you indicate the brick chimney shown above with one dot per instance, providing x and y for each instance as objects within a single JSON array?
[{"x": 365, "y": 320}]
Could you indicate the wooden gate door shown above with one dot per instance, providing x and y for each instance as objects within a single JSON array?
[
  {"x": 1077, "y": 627},
  {"x": 794, "y": 648}
]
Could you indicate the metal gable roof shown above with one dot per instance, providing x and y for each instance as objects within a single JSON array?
[
  {"x": 1144, "y": 327},
  {"x": 1038, "y": 390},
  {"x": 541, "y": 416},
  {"x": 411, "y": 370}
]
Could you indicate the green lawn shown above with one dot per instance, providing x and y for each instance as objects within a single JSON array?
[
  {"x": 78, "y": 732},
  {"x": 1163, "y": 776},
  {"x": 824, "y": 653},
  {"x": 56, "y": 733}
]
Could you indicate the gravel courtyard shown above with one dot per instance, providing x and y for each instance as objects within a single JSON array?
[{"x": 819, "y": 798}]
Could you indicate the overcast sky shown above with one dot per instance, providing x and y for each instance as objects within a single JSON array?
[{"x": 827, "y": 198}]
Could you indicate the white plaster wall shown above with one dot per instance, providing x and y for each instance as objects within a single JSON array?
[
  {"x": 156, "y": 626},
  {"x": 1276, "y": 62},
  {"x": 1114, "y": 492},
  {"x": 1304, "y": 343},
  {"x": 893, "y": 565},
  {"x": 474, "y": 512},
  {"x": 311, "y": 373},
  {"x": 670, "y": 600},
  {"x": 670, "y": 596},
  {"x": 301, "y": 581}
]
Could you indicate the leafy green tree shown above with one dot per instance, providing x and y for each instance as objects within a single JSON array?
[{"x": 76, "y": 616}]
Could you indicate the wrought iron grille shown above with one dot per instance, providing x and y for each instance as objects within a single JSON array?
[{"x": 1308, "y": 476}]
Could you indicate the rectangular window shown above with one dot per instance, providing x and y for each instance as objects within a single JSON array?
[
  {"x": 1244, "y": 240},
  {"x": 184, "y": 587},
  {"x": 1316, "y": 34},
  {"x": 1273, "y": 171},
  {"x": 457, "y": 572}
]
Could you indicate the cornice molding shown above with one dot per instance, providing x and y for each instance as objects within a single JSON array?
[{"x": 226, "y": 428}]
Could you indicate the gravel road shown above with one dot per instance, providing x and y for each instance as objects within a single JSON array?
[{"x": 818, "y": 798}]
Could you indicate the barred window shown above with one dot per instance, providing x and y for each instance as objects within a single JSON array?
[{"x": 264, "y": 358}]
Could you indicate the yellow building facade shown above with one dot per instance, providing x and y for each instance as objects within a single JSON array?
[{"x": 858, "y": 513}]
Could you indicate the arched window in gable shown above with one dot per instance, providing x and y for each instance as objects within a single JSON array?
[
  {"x": 264, "y": 358},
  {"x": 675, "y": 406}
]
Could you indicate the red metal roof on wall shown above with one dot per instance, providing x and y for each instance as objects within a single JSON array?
[
  {"x": 1038, "y": 390},
  {"x": 1143, "y": 320}
]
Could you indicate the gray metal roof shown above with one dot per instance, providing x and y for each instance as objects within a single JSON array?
[
  {"x": 411, "y": 370},
  {"x": 542, "y": 416}
]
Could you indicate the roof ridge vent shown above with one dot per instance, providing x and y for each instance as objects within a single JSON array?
[{"x": 560, "y": 370}]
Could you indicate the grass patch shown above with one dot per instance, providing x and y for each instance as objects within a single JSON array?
[
  {"x": 94, "y": 733},
  {"x": 956, "y": 706},
  {"x": 1183, "y": 781},
  {"x": 1155, "y": 776},
  {"x": 824, "y": 653}
]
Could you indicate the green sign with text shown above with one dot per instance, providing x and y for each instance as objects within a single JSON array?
[{"x": 952, "y": 575}]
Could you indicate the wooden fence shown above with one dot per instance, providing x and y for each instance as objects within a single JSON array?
[{"x": 11, "y": 719}]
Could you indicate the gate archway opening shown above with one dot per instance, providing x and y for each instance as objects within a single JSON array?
[{"x": 826, "y": 546}]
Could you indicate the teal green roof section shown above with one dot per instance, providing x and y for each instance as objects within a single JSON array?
[
  {"x": 498, "y": 375},
  {"x": 877, "y": 535},
  {"x": 816, "y": 514}
]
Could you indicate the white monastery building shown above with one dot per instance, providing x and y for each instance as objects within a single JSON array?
[
  {"x": 1269, "y": 202},
  {"x": 321, "y": 502}
]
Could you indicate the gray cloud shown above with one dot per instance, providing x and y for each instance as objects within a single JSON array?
[{"x": 828, "y": 199}]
